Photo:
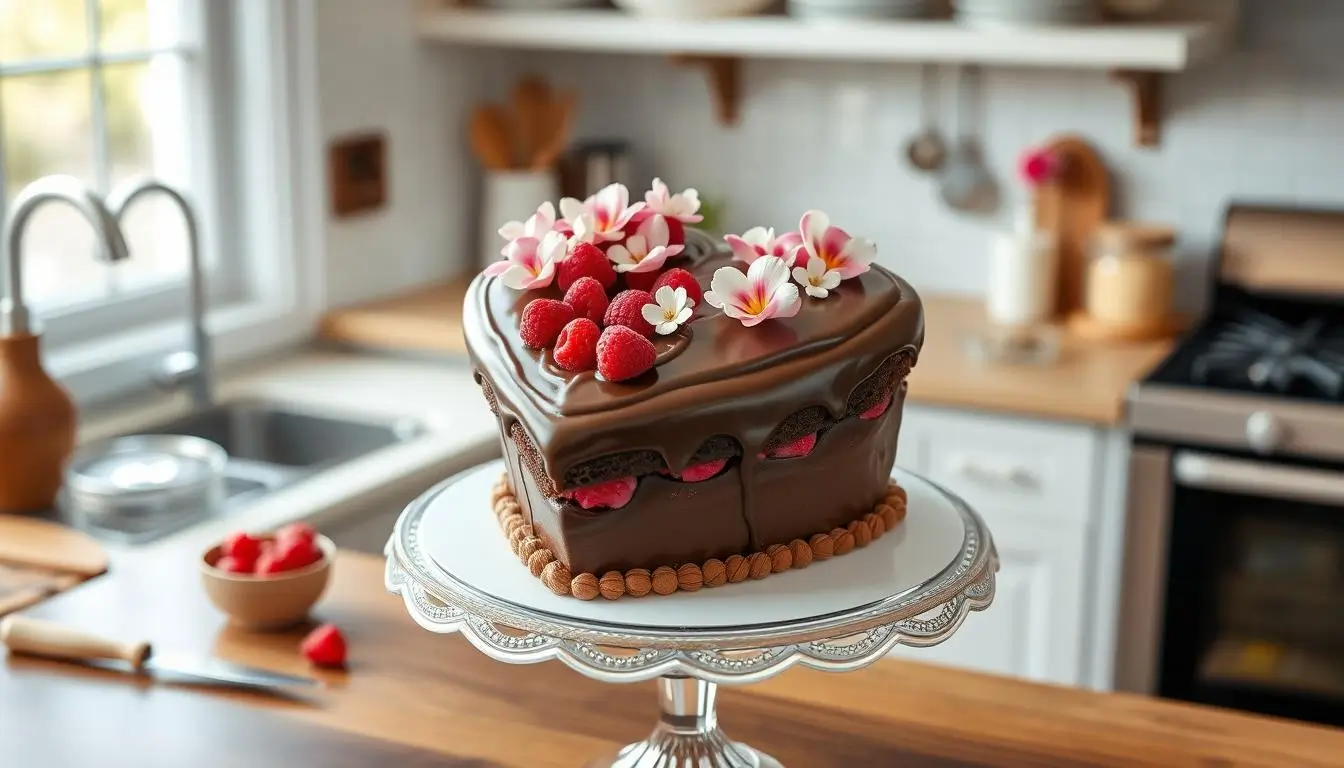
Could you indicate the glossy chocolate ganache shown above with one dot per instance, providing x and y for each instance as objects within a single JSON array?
[{"x": 719, "y": 390}]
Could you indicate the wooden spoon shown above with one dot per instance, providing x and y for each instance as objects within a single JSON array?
[
  {"x": 531, "y": 115},
  {"x": 490, "y": 137},
  {"x": 559, "y": 119}
]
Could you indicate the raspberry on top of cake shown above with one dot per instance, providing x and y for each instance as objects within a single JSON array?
[{"x": 626, "y": 361}]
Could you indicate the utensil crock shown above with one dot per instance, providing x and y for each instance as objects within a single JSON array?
[{"x": 37, "y": 427}]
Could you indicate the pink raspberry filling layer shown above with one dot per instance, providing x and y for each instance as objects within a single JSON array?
[
  {"x": 701, "y": 472},
  {"x": 877, "y": 410},
  {"x": 797, "y": 449},
  {"x": 613, "y": 494}
]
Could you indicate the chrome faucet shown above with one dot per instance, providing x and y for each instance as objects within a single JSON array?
[
  {"x": 192, "y": 369},
  {"x": 14, "y": 317}
]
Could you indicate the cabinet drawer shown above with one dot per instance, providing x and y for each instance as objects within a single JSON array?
[{"x": 1007, "y": 467}]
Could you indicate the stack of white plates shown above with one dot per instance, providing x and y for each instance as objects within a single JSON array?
[
  {"x": 1028, "y": 12},
  {"x": 860, "y": 9}
]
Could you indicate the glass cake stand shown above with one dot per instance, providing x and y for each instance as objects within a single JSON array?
[{"x": 914, "y": 586}]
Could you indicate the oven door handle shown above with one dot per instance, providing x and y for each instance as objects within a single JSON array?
[{"x": 1219, "y": 473}]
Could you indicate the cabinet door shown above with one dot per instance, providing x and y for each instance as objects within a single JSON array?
[{"x": 1034, "y": 627}]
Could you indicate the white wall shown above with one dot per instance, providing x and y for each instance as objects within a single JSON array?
[
  {"x": 1267, "y": 122},
  {"x": 373, "y": 75}
]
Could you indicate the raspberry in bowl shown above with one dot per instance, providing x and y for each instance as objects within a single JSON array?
[{"x": 270, "y": 581}]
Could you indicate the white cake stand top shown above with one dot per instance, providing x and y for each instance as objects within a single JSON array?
[{"x": 914, "y": 586}]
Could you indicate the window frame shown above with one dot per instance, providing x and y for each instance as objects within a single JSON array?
[{"x": 256, "y": 105}]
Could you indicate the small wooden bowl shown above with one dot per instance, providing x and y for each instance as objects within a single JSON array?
[{"x": 273, "y": 602}]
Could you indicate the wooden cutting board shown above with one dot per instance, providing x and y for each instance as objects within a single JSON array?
[
  {"x": 425, "y": 321},
  {"x": 1074, "y": 205},
  {"x": 40, "y": 558}
]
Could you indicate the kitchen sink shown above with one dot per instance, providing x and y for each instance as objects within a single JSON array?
[
  {"x": 286, "y": 437},
  {"x": 270, "y": 446}
]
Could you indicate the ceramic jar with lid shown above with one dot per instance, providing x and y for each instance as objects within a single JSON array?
[{"x": 1130, "y": 276}]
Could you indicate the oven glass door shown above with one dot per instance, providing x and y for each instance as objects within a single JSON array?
[{"x": 1254, "y": 615}]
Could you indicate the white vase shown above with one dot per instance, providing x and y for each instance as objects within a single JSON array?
[{"x": 510, "y": 196}]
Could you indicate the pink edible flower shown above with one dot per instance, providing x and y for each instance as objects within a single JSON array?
[
  {"x": 683, "y": 206},
  {"x": 762, "y": 293},
  {"x": 536, "y": 226},
  {"x": 846, "y": 255},
  {"x": 602, "y": 217},
  {"x": 759, "y": 241},
  {"x": 1037, "y": 166},
  {"x": 647, "y": 249},
  {"x": 530, "y": 263}
]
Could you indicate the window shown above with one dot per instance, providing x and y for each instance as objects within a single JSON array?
[
  {"x": 101, "y": 90},
  {"x": 215, "y": 97}
]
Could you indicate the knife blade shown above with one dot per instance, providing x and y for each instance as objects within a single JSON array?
[{"x": 36, "y": 637}]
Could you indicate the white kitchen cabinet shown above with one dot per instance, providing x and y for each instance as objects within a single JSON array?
[{"x": 1041, "y": 488}]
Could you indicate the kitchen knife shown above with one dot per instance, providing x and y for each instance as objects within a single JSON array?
[{"x": 51, "y": 640}]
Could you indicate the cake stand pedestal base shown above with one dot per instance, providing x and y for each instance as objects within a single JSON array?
[{"x": 687, "y": 734}]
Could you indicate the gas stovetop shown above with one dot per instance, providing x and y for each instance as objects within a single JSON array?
[{"x": 1265, "y": 347}]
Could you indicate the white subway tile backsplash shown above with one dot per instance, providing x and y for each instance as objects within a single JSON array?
[{"x": 1266, "y": 122}]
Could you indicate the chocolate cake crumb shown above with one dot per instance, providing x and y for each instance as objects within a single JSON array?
[
  {"x": 880, "y": 384},
  {"x": 799, "y": 424}
]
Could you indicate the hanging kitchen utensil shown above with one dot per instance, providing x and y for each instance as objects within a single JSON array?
[
  {"x": 927, "y": 151},
  {"x": 37, "y": 416},
  {"x": 491, "y": 137},
  {"x": 967, "y": 184}
]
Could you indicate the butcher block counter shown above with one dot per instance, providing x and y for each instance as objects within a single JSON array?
[
  {"x": 410, "y": 698},
  {"x": 1087, "y": 383}
]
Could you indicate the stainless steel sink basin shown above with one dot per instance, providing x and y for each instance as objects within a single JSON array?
[
  {"x": 270, "y": 446},
  {"x": 287, "y": 437}
]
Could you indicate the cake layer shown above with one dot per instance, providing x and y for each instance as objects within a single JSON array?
[{"x": 669, "y": 522}]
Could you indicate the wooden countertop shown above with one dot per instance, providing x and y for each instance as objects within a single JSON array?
[
  {"x": 1088, "y": 383},
  {"x": 412, "y": 698}
]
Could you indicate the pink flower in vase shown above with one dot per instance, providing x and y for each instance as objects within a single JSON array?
[
  {"x": 759, "y": 241},
  {"x": 602, "y": 217},
  {"x": 646, "y": 250},
  {"x": 762, "y": 293},
  {"x": 530, "y": 263},
  {"x": 839, "y": 252},
  {"x": 1037, "y": 166}
]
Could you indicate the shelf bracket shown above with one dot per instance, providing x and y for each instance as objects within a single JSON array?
[
  {"x": 1146, "y": 93},
  {"x": 724, "y": 75}
]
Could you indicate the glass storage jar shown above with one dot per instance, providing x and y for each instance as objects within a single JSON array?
[{"x": 1130, "y": 275}]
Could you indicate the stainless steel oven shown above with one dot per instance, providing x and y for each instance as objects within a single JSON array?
[{"x": 1234, "y": 555}]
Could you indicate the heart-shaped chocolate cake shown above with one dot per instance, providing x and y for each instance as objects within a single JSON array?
[{"x": 678, "y": 414}]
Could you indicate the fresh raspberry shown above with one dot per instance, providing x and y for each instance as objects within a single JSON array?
[
  {"x": 613, "y": 494},
  {"x": 270, "y": 563},
  {"x": 701, "y": 472},
  {"x": 324, "y": 646},
  {"x": 641, "y": 281},
  {"x": 623, "y": 354},
  {"x": 296, "y": 531},
  {"x": 242, "y": 547},
  {"x": 542, "y": 321},
  {"x": 798, "y": 448},
  {"x": 296, "y": 553},
  {"x": 680, "y": 278},
  {"x": 576, "y": 346},
  {"x": 587, "y": 298},
  {"x": 878, "y": 409},
  {"x": 230, "y": 564},
  {"x": 585, "y": 260},
  {"x": 625, "y": 309}
]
